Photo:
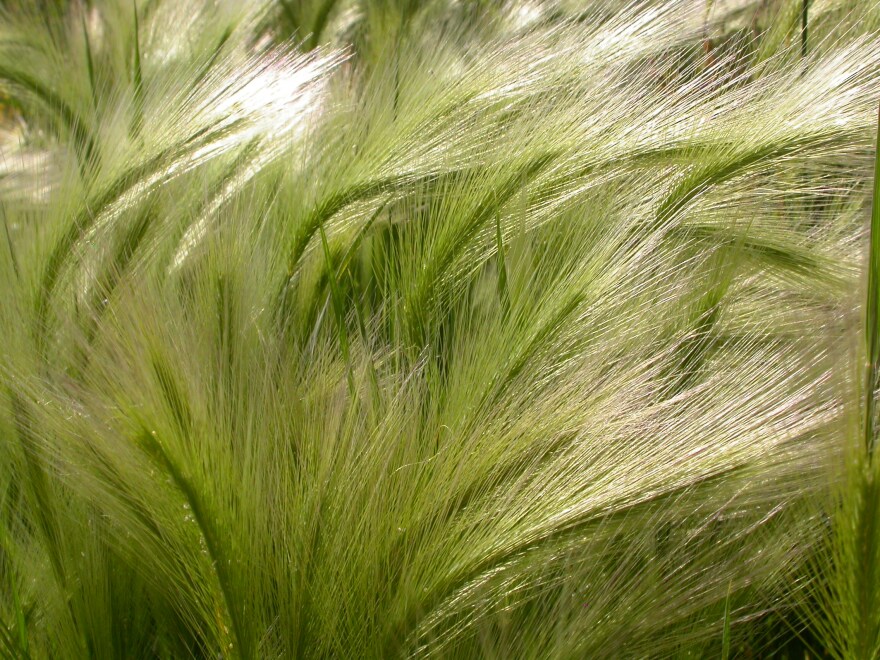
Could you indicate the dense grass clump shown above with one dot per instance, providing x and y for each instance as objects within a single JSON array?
[{"x": 455, "y": 328}]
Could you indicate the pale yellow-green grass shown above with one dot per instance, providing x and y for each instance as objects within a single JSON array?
[{"x": 452, "y": 328}]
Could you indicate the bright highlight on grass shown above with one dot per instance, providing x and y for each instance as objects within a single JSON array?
[{"x": 380, "y": 328}]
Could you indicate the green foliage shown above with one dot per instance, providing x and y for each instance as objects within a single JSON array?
[{"x": 453, "y": 329}]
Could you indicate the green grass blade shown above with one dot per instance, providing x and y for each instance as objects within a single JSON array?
[
  {"x": 503, "y": 288},
  {"x": 805, "y": 5},
  {"x": 725, "y": 636},
  {"x": 320, "y": 23},
  {"x": 872, "y": 323},
  {"x": 90, "y": 64},
  {"x": 83, "y": 142},
  {"x": 12, "y": 257},
  {"x": 338, "y": 312},
  {"x": 138, "y": 74}
]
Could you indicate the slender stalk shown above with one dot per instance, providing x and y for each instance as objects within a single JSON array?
[
  {"x": 320, "y": 23},
  {"x": 725, "y": 638},
  {"x": 90, "y": 64},
  {"x": 503, "y": 289},
  {"x": 805, "y": 6},
  {"x": 18, "y": 648},
  {"x": 338, "y": 311},
  {"x": 138, "y": 120},
  {"x": 12, "y": 256},
  {"x": 872, "y": 331}
]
